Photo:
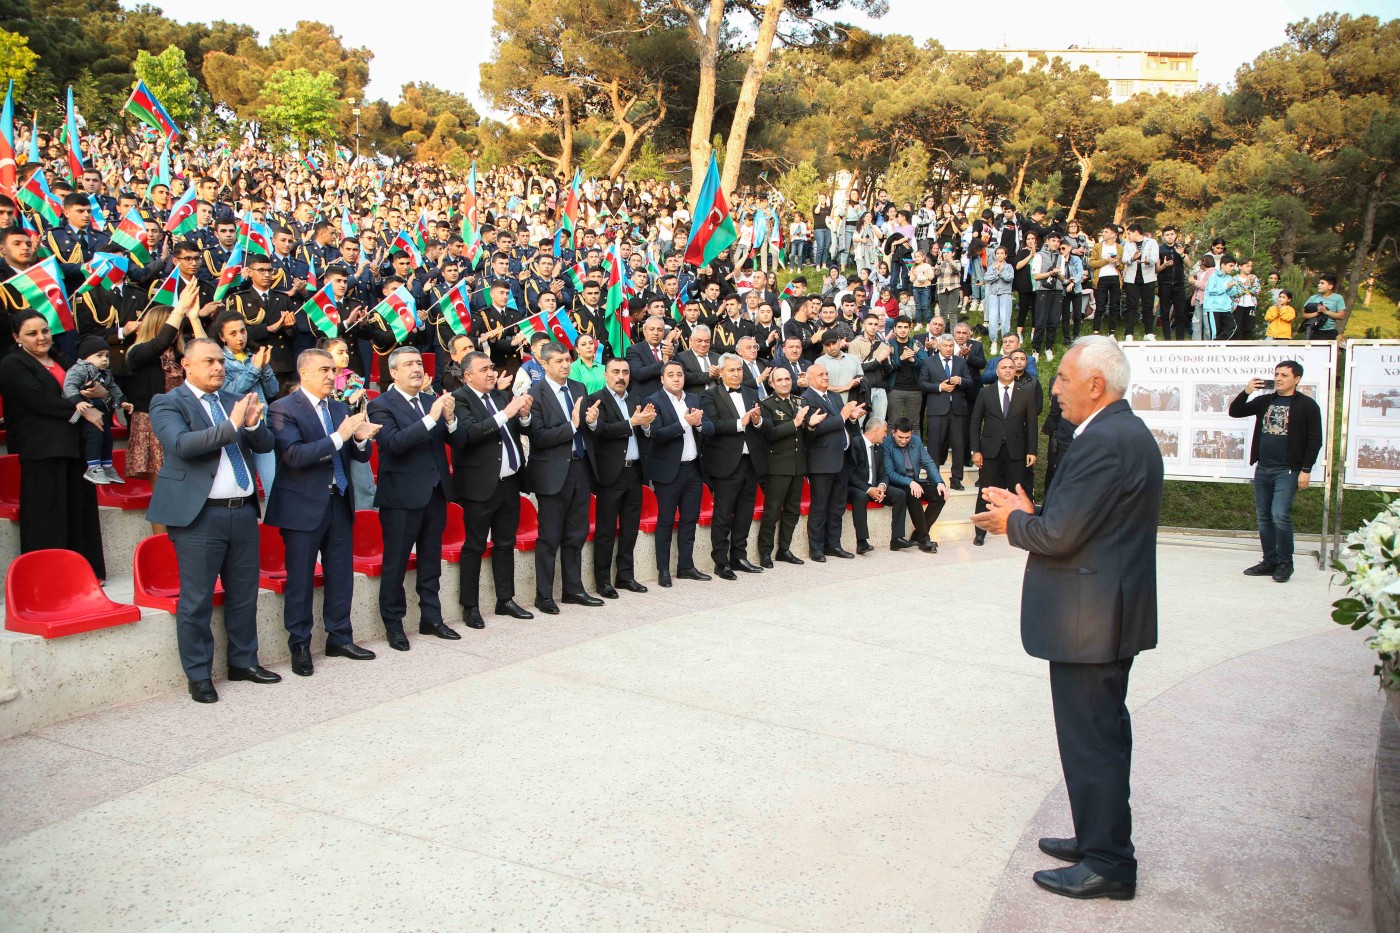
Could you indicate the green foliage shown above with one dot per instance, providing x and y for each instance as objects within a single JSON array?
[
  {"x": 1043, "y": 192},
  {"x": 170, "y": 80},
  {"x": 907, "y": 177},
  {"x": 647, "y": 166},
  {"x": 1248, "y": 226},
  {"x": 301, "y": 105},
  {"x": 17, "y": 59},
  {"x": 801, "y": 185}
]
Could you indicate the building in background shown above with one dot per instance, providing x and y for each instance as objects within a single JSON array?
[{"x": 1128, "y": 71}]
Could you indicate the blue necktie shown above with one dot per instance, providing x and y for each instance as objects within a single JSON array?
[
  {"x": 336, "y": 466},
  {"x": 235, "y": 456},
  {"x": 568, "y": 416},
  {"x": 507, "y": 442}
]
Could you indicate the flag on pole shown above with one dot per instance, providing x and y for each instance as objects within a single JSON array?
[
  {"x": 455, "y": 309},
  {"x": 131, "y": 236},
  {"x": 322, "y": 312},
  {"x": 9, "y": 169},
  {"x": 575, "y": 274},
  {"x": 617, "y": 320},
  {"x": 232, "y": 273},
  {"x": 568, "y": 220},
  {"x": 714, "y": 231},
  {"x": 99, "y": 216},
  {"x": 554, "y": 323},
  {"x": 169, "y": 290},
  {"x": 142, "y": 105},
  {"x": 760, "y": 228},
  {"x": 347, "y": 226},
  {"x": 75, "y": 148},
  {"x": 255, "y": 236},
  {"x": 308, "y": 163},
  {"x": 7, "y": 118},
  {"x": 162, "y": 170},
  {"x": 403, "y": 243},
  {"x": 399, "y": 312},
  {"x": 35, "y": 157},
  {"x": 779, "y": 241},
  {"x": 35, "y": 195},
  {"x": 107, "y": 270},
  {"x": 41, "y": 286},
  {"x": 183, "y": 217},
  {"x": 26, "y": 223}
]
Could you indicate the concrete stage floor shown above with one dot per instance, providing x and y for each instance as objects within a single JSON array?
[{"x": 790, "y": 751}]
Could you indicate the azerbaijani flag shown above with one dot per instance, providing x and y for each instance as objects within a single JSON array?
[
  {"x": 677, "y": 309},
  {"x": 232, "y": 272},
  {"x": 556, "y": 324},
  {"x": 130, "y": 235},
  {"x": 256, "y": 237},
  {"x": 789, "y": 290},
  {"x": 715, "y": 231},
  {"x": 779, "y": 241},
  {"x": 568, "y": 220},
  {"x": 760, "y": 228},
  {"x": 75, "y": 148},
  {"x": 575, "y": 274},
  {"x": 183, "y": 219},
  {"x": 309, "y": 164},
  {"x": 143, "y": 106},
  {"x": 9, "y": 169},
  {"x": 403, "y": 243},
  {"x": 35, "y": 195},
  {"x": 454, "y": 308},
  {"x": 399, "y": 312},
  {"x": 27, "y": 225},
  {"x": 99, "y": 218},
  {"x": 41, "y": 286},
  {"x": 347, "y": 226},
  {"x": 617, "y": 320},
  {"x": 7, "y": 118},
  {"x": 322, "y": 311},
  {"x": 168, "y": 291},
  {"x": 105, "y": 269}
]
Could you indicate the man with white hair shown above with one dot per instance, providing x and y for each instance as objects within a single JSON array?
[{"x": 1089, "y": 606}]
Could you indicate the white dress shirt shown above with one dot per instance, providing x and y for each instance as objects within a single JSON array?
[
  {"x": 689, "y": 451},
  {"x": 335, "y": 437},
  {"x": 737, "y": 397},
  {"x": 632, "y": 451},
  {"x": 1080, "y": 430},
  {"x": 416, "y": 403},
  {"x": 225, "y": 483}
]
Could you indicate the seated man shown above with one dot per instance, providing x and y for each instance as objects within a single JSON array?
[{"x": 906, "y": 459}]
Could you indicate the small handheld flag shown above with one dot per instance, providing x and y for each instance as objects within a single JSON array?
[
  {"x": 322, "y": 312},
  {"x": 35, "y": 195},
  {"x": 41, "y": 286},
  {"x": 168, "y": 291},
  {"x": 232, "y": 273},
  {"x": 454, "y": 308},
  {"x": 183, "y": 218},
  {"x": 399, "y": 312},
  {"x": 131, "y": 236},
  {"x": 75, "y": 148},
  {"x": 142, "y": 105},
  {"x": 403, "y": 243},
  {"x": 107, "y": 270}
]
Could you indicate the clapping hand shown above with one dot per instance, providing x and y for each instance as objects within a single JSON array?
[
  {"x": 348, "y": 428},
  {"x": 694, "y": 417},
  {"x": 504, "y": 380},
  {"x": 573, "y": 415},
  {"x": 253, "y": 412},
  {"x": 592, "y": 415},
  {"x": 367, "y": 429},
  {"x": 816, "y": 418},
  {"x": 1000, "y": 504},
  {"x": 801, "y": 415},
  {"x": 645, "y": 415},
  {"x": 449, "y": 406}
]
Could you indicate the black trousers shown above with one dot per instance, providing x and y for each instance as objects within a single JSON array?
[
  {"x": 1174, "y": 311},
  {"x": 1095, "y": 737},
  {"x": 332, "y": 540},
  {"x": 922, "y": 511},
  {"x": 944, "y": 432},
  {"x": 220, "y": 542},
  {"x": 1108, "y": 302},
  {"x": 563, "y": 531},
  {"x": 680, "y": 496},
  {"x": 733, "y": 516},
  {"x": 58, "y": 509},
  {"x": 619, "y": 518},
  {"x": 1071, "y": 317},
  {"x": 828, "y": 505},
  {"x": 782, "y": 507},
  {"x": 405, "y": 529},
  {"x": 1025, "y": 303},
  {"x": 499, "y": 516},
  {"x": 1047, "y": 315},
  {"x": 1002, "y": 471},
  {"x": 1137, "y": 305}
]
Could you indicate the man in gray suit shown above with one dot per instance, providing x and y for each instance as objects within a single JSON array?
[
  {"x": 1089, "y": 605},
  {"x": 206, "y": 499}
]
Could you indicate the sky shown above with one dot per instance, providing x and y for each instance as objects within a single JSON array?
[{"x": 447, "y": 49}]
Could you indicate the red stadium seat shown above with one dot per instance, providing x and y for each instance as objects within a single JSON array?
[
  {"x": 156, "y": 571},
  {"x": 272, "y": 561},
  {"x": 368, "y": 545},
  {"x": 528, "y": 534},
  {"x": 2, "y": 416},
  {"x": 9, "y": 487},
  {"x": 430, "y": 365},
  {"x": 758, "y": 505},
  {"x": 592, "y": 517},
  {"x": 133, "y": 496},
  {"x": 454, "y": 536},
  {"x": 374, "y": 460},
  {"x": 55, "y": 593},
  {"x": 806, "y": 497},
  {"x": 707, "y": 506},
  {"x": 649, "y": 510}
]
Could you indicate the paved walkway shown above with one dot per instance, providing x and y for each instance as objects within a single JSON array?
[{"x": 781, "y": 752}]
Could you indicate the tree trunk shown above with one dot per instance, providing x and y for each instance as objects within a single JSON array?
[
  {"x": 630, "y": 135},
  {"x": 1125, "y": 197},
  {"x": 706, "y": 39},
  {"x": 566, "y": 138},
  {"x": 1086, "y": 168},
  {"x": 1020, "y": 177},
  {"x": 1363, "y": 246},
  {"x": 748, "y": 93}
]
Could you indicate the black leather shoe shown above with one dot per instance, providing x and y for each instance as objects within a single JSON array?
[
  {"x": 1066, "y": 850},
  {"x": 864, "y": 547},
  {"x": 547, "y": 606},
  {"x": 509, "y": 607},
  {"x": 742, "y": 564},
  {"x": 439, "y": 629},
  {"x": 692, "y": 573},
  {"x": 1078, "y": 881},
  {"x": 724, "y": 572},
  {"x": 900, "y": 544},
  {"x": 631, "y": 586},
  {"x": 788, "y": 557},
  {"x": 301, "y": 661},
  {"x": 1282, "y": 572},
  {"x": 397, "y": 639},
  {"x": 980, "y": 538},
  {"x": 256, "y": 674},
  {"x": 582, "y": 599},
  {"x": 1261, "y": 569},
  {"x": 928, "y": 547},
  {"x": 352, "y": 651},
  {"x": 817, "y": 556},
  {"x": 765, "y": 561},
  {"x": 839, "y": 552},
  {"x": 663, "y": 579},
  {"x": 606, "y": 591},
  {"x": 473, "y": 618},
  {"x": 956, "y": 484},
  {"x": 202, "y": 691}
]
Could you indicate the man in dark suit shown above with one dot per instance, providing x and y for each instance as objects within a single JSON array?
[
  {"x": 828, "y": 443},
  {"x": 488, "y": 464},
  {"x": 1089, "y": 606},
  {"x": 414, "y": 484},
  {"x": 783, "y": 420},
  {"x": 1004, "y": 442},
  {"x": 942, "y": 378},
  {"x": 646, "y": 357},
  {"x": 868, "y": 482},
  {"x": 208, "y": 503},
  {"x": 614, "y": 444},
  {"x": 313, "y": 502},
  {"x": 976, "y": 359},
  {"x": 906, "y": 460},
  {"x": 701, "y": 366},
  {"x": 558, "y": 474},
  {"x": 672, "y": 464},
  {"x": 735, "y": 461}
]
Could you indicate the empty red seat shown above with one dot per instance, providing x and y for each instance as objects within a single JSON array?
[
  {"x": 55, "y": 593},
  {"x": 758, "y": 505},
  {"x": 528, "y": 534},
  {"x": 454, "y": 536},
  {"x": 156, "y": 570},
  {"x": 272, "y": 561},
  {"x": 132, "y": 496},
  {"x": 592, "y": 517},
  {"x": 649, "y": 510},
  {"x": 9, "y": 487},
  {"x": 430, "y": 365},
  {"x": 374, "y": 460},
  {"x": 806, "y": 497},
  {"x": 707, "y": 506},
  {"x": 368, "y": 546}
]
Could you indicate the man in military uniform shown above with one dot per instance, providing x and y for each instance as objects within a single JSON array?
[
  {"x": 589, "y": 317},
  {"x": 216, "y": 256},
  {"x": 784, "y": 416},
  {"x": 290, "y": 273},
  {"x": 207, "y": 189},
  {"x": 270, "y": 317},
  {"x": 732, "y": 325},
  {"x": 158, "y": 208},
  {"x": 542, "y": 279},
  {"x": 75, "y": 242},
  {"x": 497, "y": 320}
]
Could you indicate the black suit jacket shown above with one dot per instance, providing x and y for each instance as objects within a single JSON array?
[
  {"x": 976, "y": 361},
  {"x": 697, "y": 375},
  {"x": 260, "y": 313},
  {"x": 725, "y": 448},
  {"x": 827, "y": 442},
  {"x": 37, "y": 416},
  {"x": 551, "y": 433},
  {"x": 932, "y": 373},
  {"x": 860, "y": 466},
  {"x": 412, "y": 458},
  {"x": 606, "y": 441},
  {"x": 1090, "y": 590},
  {"x": 645, "y": 376},
  {"x": 302, "y": 486},
  {"x": 661, "y": 460},
  {"x": 477, "y": 448},
  {"x": 1017, "y": 432}
]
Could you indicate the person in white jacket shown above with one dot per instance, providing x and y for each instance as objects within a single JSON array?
[{"x": 1140, "y": 257}]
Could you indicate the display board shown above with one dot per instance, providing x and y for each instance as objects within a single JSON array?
[
  {"x": 1183, "y": 390},
  {"x": 1371, "y": 416}
]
